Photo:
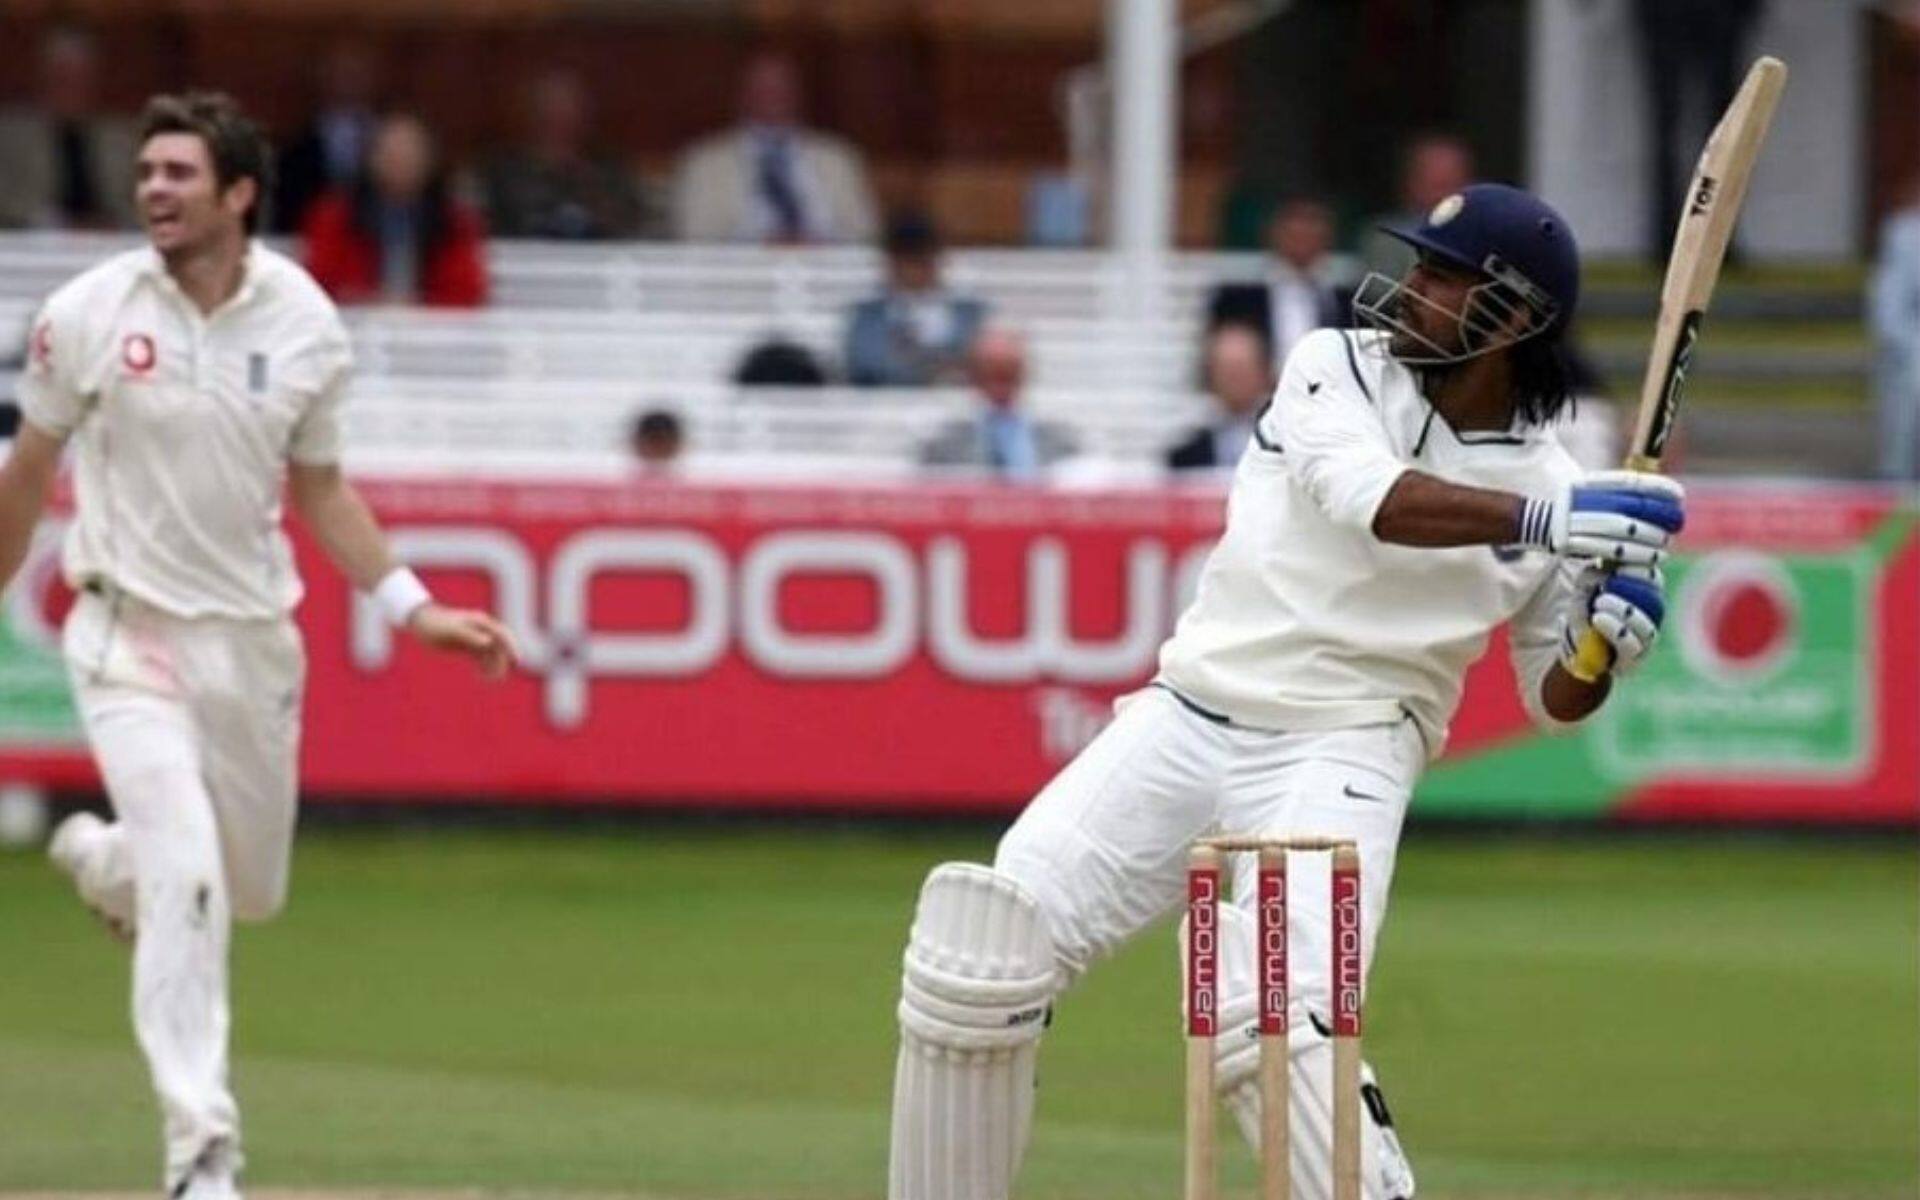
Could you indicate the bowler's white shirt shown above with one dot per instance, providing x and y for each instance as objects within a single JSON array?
[
  {"x": 183, "y": 424},
  {"x": 1304, "y": 620}
]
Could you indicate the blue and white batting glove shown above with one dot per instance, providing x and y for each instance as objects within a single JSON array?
[
  {"x": 1613, "y": 622},
  {"x": 1624, "y": 517}
]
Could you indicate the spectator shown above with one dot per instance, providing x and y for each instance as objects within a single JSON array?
[
  {"x": 1895, "y": 309},
  {"x": 770, "y": 179},
  {"x": 1000, "y": 437},
  {"x": 657, "y": 440},
  {"x": 1240, "y": 377},
  {"x": 556, "y": 185},
  {"x": 779, "y": 362},
  {"x": 915, "y": 332},
  {"x": 398, "y": 236},
  {"x": 1686, "y": 45},
  {"x": 1295, "y": 298},
  {"x": 328, "y": 153},
  {"x": 68, "y": 164},
  {"x": 1436, "y": 166}
]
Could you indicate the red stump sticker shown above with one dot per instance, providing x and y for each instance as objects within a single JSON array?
[
  {"x": 1203, "y": 952},
  {"x": 1273, "y": 944},
  {"x": 1346, "y": 950}
]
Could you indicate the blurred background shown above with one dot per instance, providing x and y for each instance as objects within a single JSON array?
[{"x": 836, "y": 397}]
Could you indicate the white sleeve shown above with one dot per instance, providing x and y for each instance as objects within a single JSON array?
[
  {"x": 317, "y": 436},
  {"x": 51, "y": 392},
  {"x": 1534, "y": 639},
  {"x": 1327, "y": 428}
]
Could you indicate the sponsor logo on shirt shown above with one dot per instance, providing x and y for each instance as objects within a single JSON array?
[
  {"x": 257, "y": 373},
  {"x": 138, "y": 354}
]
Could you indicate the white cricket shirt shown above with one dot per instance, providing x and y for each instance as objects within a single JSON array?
[
  {"x": 1304, "y": 620},
  {"x": 183, "y": 424}
]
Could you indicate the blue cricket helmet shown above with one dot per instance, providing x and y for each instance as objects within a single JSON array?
[{"x": 1510, "y": 236}]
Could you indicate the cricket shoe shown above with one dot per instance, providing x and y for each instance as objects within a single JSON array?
[
  {"x": 210, "y": 1177},
  {"x": 67, "y": 849}
]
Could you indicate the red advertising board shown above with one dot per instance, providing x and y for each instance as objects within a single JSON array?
[
  {"x": 787, "y": 646},
  {"x": 950, "y": 648}
]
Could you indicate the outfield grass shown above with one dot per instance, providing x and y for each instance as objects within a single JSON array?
[{"x": 708, "y": 1013}]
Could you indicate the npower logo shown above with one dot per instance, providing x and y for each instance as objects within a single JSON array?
[{"x": 734, "y": 603}]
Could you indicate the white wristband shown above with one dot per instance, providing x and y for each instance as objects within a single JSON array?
[{"x": 399, "y": 593}]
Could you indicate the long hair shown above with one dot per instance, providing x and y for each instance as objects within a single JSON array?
[{"x": 1543, "y": 379}]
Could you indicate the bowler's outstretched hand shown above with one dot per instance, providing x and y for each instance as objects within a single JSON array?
[{"x": 467, "y": 631}]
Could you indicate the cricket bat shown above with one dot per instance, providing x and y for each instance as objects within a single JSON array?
[{"x": 1699, "y": 245}]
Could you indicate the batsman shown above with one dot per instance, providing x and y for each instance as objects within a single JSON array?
[{"x": 1402, "y": 498}]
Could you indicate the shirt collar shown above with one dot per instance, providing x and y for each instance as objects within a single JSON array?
[
  {"x": 1517, "y": 433},
  {"x": 154, "y": 268}
]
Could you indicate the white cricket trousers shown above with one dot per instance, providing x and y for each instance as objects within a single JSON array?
[
  {"x": 1103, "y": 848},
  {"x": 195, "y": 726}
]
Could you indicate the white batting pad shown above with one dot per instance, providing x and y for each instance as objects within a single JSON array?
[
  {"x": 1384, "y": 1171},
  {"x": 979, "y": 975}
]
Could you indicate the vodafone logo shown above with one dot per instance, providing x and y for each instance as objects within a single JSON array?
[
  {"x": 1739, "y": 617},
  {"x": 137, "y": 353}
]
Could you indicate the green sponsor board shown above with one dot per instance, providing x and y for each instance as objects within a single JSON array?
[
  {"x": 1769, "y": 671},
  {"x": 1765, "y": 669},
  {"x": 36, "y": 707}
]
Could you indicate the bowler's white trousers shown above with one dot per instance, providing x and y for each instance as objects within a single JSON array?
[
  {"x": 1103, "y": 848},
  {"x": 195, "y": 725}
]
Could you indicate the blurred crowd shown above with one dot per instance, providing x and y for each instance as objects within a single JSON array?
[{"x": 380, "y": 215}]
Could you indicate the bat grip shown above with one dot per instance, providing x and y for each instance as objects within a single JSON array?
[{"x": 1591, "y": 657}]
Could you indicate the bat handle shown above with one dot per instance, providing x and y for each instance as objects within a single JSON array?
[{"x": 1591, "y": 658}]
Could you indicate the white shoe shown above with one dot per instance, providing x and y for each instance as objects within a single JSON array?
[
  {"x": 206, "y": 1180},
  {"x": 67, "y": 850}
]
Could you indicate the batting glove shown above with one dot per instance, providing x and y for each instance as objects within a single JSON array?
[
  {"x": 1614, "y": 619},
  {"x": 1625, "y": 517}
]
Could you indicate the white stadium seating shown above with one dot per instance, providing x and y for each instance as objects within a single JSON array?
[{"x": 581, "y": 337}]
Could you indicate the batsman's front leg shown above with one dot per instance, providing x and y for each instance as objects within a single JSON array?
[{"x": 1098, "y": 856}]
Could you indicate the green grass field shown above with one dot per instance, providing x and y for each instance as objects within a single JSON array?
[{"x": 706, "y": 1012}]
